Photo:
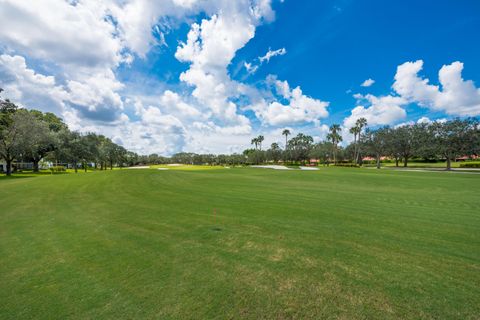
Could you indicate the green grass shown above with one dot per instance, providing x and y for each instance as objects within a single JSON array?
[
  {"x": 412, "y": 164},
  {"x": 334, "y": 243}
]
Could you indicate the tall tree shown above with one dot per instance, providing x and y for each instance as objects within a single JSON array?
[
  {"x": 376, "y": 142},
  {"x": 254, "y": 141},
  {"x": 286, "y": 133},
  {"x": 335, "y": 138},
  {"x": 34, "y": 137},
  {"x": 9, "y": 134},
  {"x": 455, "y": 138},
  {"x": 360, "y": 124},
  {"x": 274, "y": 153},
  {"x": 322, "y": 151},
  {"x": 354, "y": 130},
  {"x": 300, "y": 147},
  {"x": 260, "y": 139}
]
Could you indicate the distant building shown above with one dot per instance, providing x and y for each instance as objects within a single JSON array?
[
  {"x": 374, "y": 159},
  {"x": 464, "y": 158},
  {"x": 16, "y": 166},
  {"x": 3, "y": 166}
]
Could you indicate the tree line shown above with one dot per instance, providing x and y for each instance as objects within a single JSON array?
[
  {"x": 435, "y": 141},
  {"x": 33, "y": 136}
]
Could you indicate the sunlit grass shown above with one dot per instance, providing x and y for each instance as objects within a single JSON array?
[{"x": 240, "y": 243}]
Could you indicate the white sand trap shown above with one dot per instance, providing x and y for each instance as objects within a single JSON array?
[
  {"x": 162, "y": 168},
  {"x": 274, "y": 167},
  {"x": 308, "y": 168},
  {"x": 175, "y": 165},
  {"x": 139, "y": 167}
]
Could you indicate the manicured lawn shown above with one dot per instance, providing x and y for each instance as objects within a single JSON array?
[
  {"x": 425, "y": 164},
  {"x": 334, "y": 243}
]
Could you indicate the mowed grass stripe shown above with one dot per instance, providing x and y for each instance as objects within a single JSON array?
[{"x": 343, "y": 243}]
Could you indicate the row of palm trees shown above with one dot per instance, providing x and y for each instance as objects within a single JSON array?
[
  {"x": 356, "y": 130},
  {"x": 334, "y": 136}
]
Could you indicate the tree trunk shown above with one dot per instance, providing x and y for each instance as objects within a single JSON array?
[
  {"x": 111, "y": 165},
  {"x": 75, "y": 166},
  {"x": 449, "y": 163},
  {"x": 354, "y": 147},
  {"x": 35, "y": 166},
  {"x": 357, "y": 160},
  {"x": 378, "y": 162},
  {"x": 405, "y": 161},
  {"x": 9, "y": 167},
  {"x": 396, "y": 162}
]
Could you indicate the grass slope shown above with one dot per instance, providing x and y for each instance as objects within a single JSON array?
[{"x": 335, "y": 243}]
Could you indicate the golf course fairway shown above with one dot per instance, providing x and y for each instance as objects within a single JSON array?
[{"x": 240, "y": 243}]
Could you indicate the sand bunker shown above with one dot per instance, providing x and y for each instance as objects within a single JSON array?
[
  {"x": 139, "y": 167},
  {"x": 274, "y": 167},
  {"x": 162, "y": 168},
  {"x": 308, "y": 168}
]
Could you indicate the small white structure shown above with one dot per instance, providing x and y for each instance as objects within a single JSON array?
[{"x": 3, "y": 166}]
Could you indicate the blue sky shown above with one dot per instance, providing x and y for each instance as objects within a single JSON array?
[{"x": 129, "y": 70}]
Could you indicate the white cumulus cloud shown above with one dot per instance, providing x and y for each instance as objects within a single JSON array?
[
  {"x": 368, "y": 83},
  {"x": 454, "y": 95},
  {"x": 383, "y": 110},
  {"x": 299, "y": 109}
]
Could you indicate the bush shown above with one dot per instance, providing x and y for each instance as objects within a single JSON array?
[
  {"x": 470, "y": 165},
  {"x": 346, "y": 164},
  {"x": 57, "y": 169}
]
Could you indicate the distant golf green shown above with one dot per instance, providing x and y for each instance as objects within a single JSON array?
[{"x": 240, "y": 243}]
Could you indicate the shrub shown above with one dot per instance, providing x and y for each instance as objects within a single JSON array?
[
  {"x": 346, "y": 164},
  {"x": 470, "y": 165},
  {"x": 57, "y": 169}
]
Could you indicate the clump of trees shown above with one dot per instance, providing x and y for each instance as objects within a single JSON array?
[
  {"x": 33, "y": 136},
  {"x": 444, "y": 140}
]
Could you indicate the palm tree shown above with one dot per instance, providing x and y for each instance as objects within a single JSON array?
[
  {"x": 360, "y": 124},
  {"x": 260, "y": 139},
  {"x": 354, "y": 131},
  {"x": 335, "y": 137},
  {"x": 255, "y": 142},
  {"x": 286, "y": 133}
]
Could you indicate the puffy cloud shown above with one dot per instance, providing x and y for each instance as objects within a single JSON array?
[
  {"x": 381, "y": 110},
  {"x": 209, "y": 49},
  {"x": 28, "y": 88},
  {"x": 173, "y": 103},
  {"x": 424, "y": 120},
  {"x": 77, "y": 43},
  {"x": 368, "y": 83},
  {"x": 63, "y": 32},
  {"x": 455, "y": 96},
  {"x": 95, "y": 97},
  {"x": 300, "y": 108}
]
